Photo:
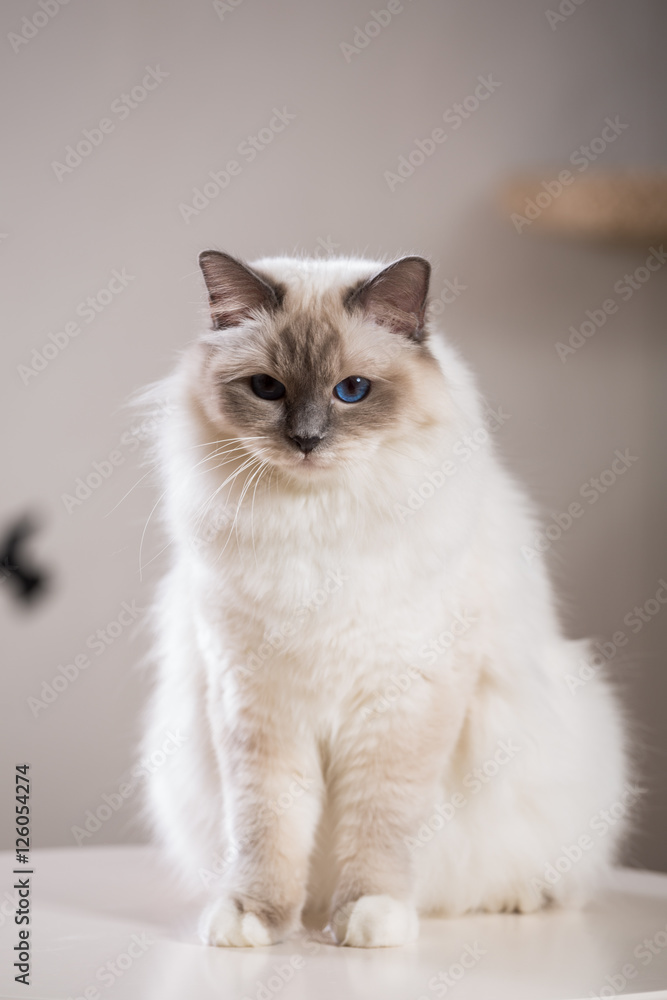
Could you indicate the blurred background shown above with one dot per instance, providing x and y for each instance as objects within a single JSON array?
[{"x": 139, "y": 133}]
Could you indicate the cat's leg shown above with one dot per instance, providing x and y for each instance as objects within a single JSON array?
[
  {"x": 272, "y": 792},
  {"x": 524, "y": 791},
  {"x": 382, "y": 779}
]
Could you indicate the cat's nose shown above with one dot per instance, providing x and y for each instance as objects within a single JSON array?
[{"x": 306, "y": 444}]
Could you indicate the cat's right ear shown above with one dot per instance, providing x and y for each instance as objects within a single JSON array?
[{"x": 235, "y": 291}]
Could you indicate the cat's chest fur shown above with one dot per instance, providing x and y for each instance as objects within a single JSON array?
[{"x": 327, "y": 579}]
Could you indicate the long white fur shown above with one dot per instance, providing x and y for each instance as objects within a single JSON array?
[{"x": 394, "y": 579}]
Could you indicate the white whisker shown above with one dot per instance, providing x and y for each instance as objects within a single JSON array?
[
  {"x": 129, "y": 491},
  {"x": 143, "y": 533},
  {"x": 230, "y": 479}
]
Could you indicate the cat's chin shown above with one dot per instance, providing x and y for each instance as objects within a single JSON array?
[
  {"x": 310, "y": 465},
  {"x": 309, "y": 468}
]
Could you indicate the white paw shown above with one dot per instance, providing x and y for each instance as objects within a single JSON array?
[
  {"x": 376, "y": 922},
  {"x": 222, "y": 924}
]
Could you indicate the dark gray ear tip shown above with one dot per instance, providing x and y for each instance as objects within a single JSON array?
[
  {"x": 206, "y": 256},
  {"x": 417, "y": 268},
  {"x": 421, "y": 263}
]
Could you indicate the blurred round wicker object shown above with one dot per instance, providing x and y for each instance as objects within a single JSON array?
[{"x": 620, "y": 206}]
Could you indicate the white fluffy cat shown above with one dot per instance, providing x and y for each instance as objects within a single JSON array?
[{"x": 370, "y": 674}]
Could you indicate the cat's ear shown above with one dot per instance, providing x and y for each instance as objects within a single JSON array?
[
  {"x": 396, "y": 296},
  {"x": 235, "y": 291}
]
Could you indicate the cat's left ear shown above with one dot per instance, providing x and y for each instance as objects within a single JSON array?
[{"x": 396, "y": 296}]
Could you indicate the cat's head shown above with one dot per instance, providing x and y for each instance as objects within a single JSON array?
[{"x": 313, "y": 363}]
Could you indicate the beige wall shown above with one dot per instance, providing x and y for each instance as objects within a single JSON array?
[{"x": 320, "y": 182}]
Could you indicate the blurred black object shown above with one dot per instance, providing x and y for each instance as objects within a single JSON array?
[{"x": 28, "y": 583}]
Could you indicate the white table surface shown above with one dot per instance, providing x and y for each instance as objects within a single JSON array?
[{"x": 88, "y": 903}]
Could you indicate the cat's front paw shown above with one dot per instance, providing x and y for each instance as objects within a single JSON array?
[
  {"x": 232, "y": 923},
  {"x": 375, "y": 922}
]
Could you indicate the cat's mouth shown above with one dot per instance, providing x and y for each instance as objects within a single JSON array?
[
  {"x": 309, "y": 460},
  {"x": 295, "y": 460}
]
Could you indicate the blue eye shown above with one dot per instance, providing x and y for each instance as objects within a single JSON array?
[
  {"x": 267, "y": 387},
  {"x": 352, "y": 389}
]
